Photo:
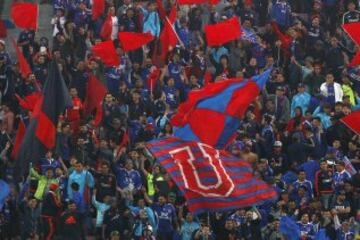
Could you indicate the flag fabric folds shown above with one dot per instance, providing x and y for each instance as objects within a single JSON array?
[
  {"x": 41, "y": 132},
  {"x": 355, "y": 60},
  {"x": 162, "y": 11},
  {"x": 98, "y": 8},
  {"x": 211, "y": 180},
  {"x": 284, "y": 38},
  {"x": 3, "y": 29},
  {"x": 95, "y": 93},
  {"x": 213, "y": 114},
  {"x": 106, "y": 29},
  {"x": 29, "y": 101},
  {"x": 25, "y": 69},
  {"x": 5, "y": 191},
  {"x": 352, "y": 121},
  {"x": 107, "y": 53},
  {"x": 55, "y": 99},
  {"x": 152, "y": 78},
  {"x": 131, "y": 40},
  {"x": 25, "y": 15},
  {"x": 289, "y": 228},
  {"x": 18, "y": 139},
  {"x": 189, "y": 2},
  {"x": 353, "y": 30},
  {"x": 223, "y": 32},
  {"x": 349, "y": 167},
  {"x": 168, "y": 36}
]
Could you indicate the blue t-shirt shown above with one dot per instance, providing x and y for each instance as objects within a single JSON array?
[{"x": 166, "y": 216}]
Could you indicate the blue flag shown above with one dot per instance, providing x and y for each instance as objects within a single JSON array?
[
  {"x": 4, "y": 192},
  {"x": 321, "y": 235},
  {"x": 289, "y": 228}
]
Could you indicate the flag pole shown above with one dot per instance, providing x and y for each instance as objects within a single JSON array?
[{"x": 172, "y": 28}]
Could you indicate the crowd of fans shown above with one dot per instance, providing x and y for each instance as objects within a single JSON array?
[{"x": 100, "y": 181}]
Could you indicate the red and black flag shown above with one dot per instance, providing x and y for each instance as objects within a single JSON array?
[{"x": 40, "y": 135}]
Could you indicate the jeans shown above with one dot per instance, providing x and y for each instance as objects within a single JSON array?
[{"x": 326, "y": 200}]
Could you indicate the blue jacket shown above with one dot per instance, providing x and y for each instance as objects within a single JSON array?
[
  {"x": 82, "y": 178},
  {"x": 281, "y": 13},
  {"x": 151, "y": 22},
  {"x": 300, "y": 100}
]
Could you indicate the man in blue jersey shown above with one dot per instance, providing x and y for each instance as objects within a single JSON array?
[
  {"x": 166, "y": 214},
  {"x": 307, "y": 230}
]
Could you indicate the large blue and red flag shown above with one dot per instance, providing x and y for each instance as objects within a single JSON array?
[
  {"x": 40, "y": 134},
  {"x": 212, "y": 115},
  {"x": 211, "y": 179}
]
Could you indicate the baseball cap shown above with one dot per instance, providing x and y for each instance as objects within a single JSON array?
[
  {"x": 2, "y": 42},
  {"x": 300, "y": 85},
  {"x": 278, "y": 144},
  {"x": 171, "y": 195},
  {"x": 114, "y": 233},
  {"x": 280, "y": 88}
]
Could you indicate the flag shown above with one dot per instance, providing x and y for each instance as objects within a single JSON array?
[
  {"x": 152, "y": 78},
  {"x": 349, "y": 167},
  {"x": 29, "y": 101},
  {"x": 41, "y": 132},
  {"x": 223, "y": 32},
  {"x": 352, "y": 121},
  {"x": 248, "y": 2},
  {"x": 95, "y": 94},
  {"x": 190, "y": 2},
  {"x": 284, "y": 38},
  {"x": 23, "y": 64},
  {"x": 98, "y": 115},
  {"x": 289, "y": 228},
  {"x": 321, "y": 235},
  {"x": 98, "y": 9},
  {"x": 5, "y": 191},
  {"x": 106, "y": 29},
  {"x": 107, "y": 53},
  {"x": 212, "y": 180},
  {"x": 353, "y": 30},
  {"x": 168, "y": 36},
  {"x": 212, "y": 114},
  {"x": 248, "y": 35},
  {"x": 207, "y": 78},
  {"x": 355, "y": 60},
  {"x": 161, "y": 9},
  {"x": 25, "y": 15},
  {"x": 3, "y": 29},
  {"x": 18, "y": 139},
  {"x": 131, "y": 40}
]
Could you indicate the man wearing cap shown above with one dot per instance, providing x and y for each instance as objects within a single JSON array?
[
  {"x": 340, "y": 176},
  {"x": 282, "y": 105},
  {"x": 278, "y": 160},
  {"x": 301, "y": 99}
]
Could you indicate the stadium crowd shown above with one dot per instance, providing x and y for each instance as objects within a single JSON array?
[{"x": 100, "y": 182}]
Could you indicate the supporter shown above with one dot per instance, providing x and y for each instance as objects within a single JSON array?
[{"x": 99, "y": 180}]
